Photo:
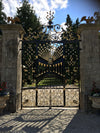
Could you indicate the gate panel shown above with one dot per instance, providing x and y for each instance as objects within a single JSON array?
[
  {"x": 72, "y": 62},
  {"x": 57, "y": 97},
  {"x": 72, "y": 97},
  {"x": 43, "y": 97},
  {"x": 49, "y": 62},
  {"x": 28, "y": 98},
  {"x": 50, "y": 97}
]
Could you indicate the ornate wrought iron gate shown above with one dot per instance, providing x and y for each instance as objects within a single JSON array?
[{"x": 49, "y": 65}]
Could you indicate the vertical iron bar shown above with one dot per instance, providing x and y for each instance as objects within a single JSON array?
[
  {"x": 79, "y": 68},
  {"x": 63, "y": 66},
  {"x": 36, "y": 74},
  {"x": 50, "y": 98},
  {"x": 36, "y": 96},
  {"x": 22, "y": 73},
  {"x": 50, "y": 86}
]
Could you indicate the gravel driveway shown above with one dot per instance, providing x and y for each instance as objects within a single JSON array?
[{"x": 50, "y": 121}]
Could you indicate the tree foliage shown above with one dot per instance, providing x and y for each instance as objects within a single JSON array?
[
  {"x": 71, "y": 29},
  {"x": 27, "y": 16},
  {"x": 71, "y": 51},
  {"x": 2, "y": 14},
  {"x": 32, "y": 39},
  {"x": 31, "y": 24}
]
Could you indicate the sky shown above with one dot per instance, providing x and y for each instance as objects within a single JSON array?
[{"x": 75, "y": 8}]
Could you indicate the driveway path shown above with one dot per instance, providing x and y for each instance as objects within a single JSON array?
[{"x": 50, "y": 121}]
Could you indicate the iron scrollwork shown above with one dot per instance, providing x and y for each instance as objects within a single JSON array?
[{"x": 55, "y": 54}]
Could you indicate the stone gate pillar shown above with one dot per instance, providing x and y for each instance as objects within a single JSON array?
[
  {"x": 0, "y": 54},
  {"x": 11, "y": 71},
  {"x": 89, "y": 61}
]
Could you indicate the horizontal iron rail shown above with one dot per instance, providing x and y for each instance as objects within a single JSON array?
[
  {"x": 50, "y": 106},
  {"x": 42, "y": 87},
  {"x": 42, "y": 42}
]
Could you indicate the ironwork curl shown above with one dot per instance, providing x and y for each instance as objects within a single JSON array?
[
  {"x": 57, "y": 27},
  {"x": 54, "y": 31}
]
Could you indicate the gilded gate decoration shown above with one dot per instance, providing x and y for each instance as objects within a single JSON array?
[
  {"x": 72, "y": 62},
  {"x": 50, "y": 62}
]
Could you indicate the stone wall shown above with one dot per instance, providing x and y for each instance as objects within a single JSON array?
[
  {"x": 11, "y": 63},
  {"x": 89, "y": 61},
  {"x": 0, "y": 56}
]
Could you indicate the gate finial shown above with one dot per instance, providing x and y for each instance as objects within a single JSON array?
[{"x": 50, "y": 17}]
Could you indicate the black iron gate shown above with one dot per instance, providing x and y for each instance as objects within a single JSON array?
[{"x": 50, "y": 69}]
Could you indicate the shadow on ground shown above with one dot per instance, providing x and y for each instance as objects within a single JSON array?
[{"x": 50, "y": 121}]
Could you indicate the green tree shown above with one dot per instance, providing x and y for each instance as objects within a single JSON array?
[
  {"x": 34, "y": 34},
  {"x": 71, "y": 29},
  {"x": 27, "y": 16},
  {"x": 2, "y": 14},
  {"x": 71, "y": 50},
  {"x": 31, "y": 24},
  {"x": 68, "y": 20}
]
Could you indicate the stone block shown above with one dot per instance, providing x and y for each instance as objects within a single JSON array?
[{"x": 11, "y": 73}]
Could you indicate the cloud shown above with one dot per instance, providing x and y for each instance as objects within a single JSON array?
[
  {"x": 63, "y": 26},
  {"x": 41, "y": 7},
  {"x": 10, "y": 7},
  {"x": 58, "y": 4}
]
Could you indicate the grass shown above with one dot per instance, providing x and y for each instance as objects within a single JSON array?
[
  {"x": 46, "y": 81},
  {"x": 30, "y": 85},
  {"x": 50, "y": 81}
]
